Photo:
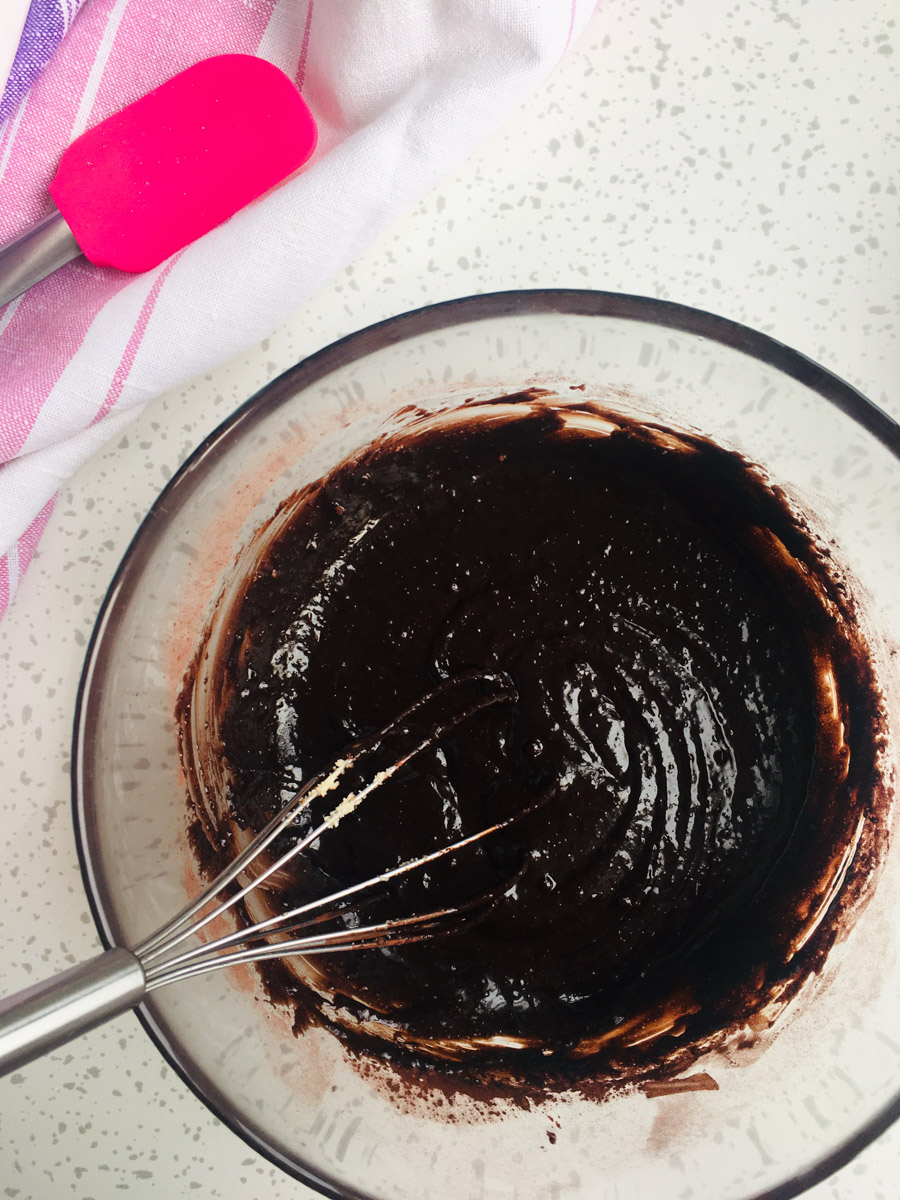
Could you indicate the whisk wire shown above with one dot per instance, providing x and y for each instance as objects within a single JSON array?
[
  {"x": 384, "y": 934},
  {"x": 155, "y": 953},
  {"x": 311, "y": 913},
  {"x": 184, "y": 926}
]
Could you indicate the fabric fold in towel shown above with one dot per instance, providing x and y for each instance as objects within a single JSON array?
[{"x": 401, "y": 90}]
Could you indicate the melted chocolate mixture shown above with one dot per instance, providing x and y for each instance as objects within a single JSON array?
[{"x": 693, "y": 699}]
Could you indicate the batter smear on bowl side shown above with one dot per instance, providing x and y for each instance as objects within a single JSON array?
[{"x": 696, "y": 708}]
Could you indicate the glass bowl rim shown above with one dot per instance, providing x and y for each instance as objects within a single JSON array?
[{"x": 354, "y": 346}]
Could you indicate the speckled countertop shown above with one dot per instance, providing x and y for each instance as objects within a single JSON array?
[{"x": 733, "y": 157}]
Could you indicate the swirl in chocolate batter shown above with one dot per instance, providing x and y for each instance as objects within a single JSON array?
[{"x": 694, "y": 695}]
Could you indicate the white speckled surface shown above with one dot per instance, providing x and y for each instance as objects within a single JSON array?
[{"x": 736, "y": 158}]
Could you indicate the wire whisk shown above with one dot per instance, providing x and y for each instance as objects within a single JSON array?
[{"x": 49, "y": 1014}]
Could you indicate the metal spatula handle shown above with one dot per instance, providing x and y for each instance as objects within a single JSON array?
[
  {"x": 37, "y": 253},
  {"x": 47, "y": 1015}
]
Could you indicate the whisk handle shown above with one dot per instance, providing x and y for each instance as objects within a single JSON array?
[{"x": 49, "y": 1014}]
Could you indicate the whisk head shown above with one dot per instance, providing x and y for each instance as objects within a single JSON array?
[{"x": 303, "y": 929}]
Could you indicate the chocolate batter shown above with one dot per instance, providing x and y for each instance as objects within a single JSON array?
[{"x": 694, "y": 701}]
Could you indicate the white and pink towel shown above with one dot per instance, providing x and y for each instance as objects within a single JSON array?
[{"x": 401, "y": 90}]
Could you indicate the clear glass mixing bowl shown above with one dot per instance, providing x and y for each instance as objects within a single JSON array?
[{"x": 782, "y": 1117}]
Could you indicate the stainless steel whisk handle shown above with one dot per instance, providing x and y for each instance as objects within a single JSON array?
[{"x": 45, "y": 1016}]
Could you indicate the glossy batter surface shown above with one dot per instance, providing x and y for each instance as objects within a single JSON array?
[{"x": 693, "y": 700}]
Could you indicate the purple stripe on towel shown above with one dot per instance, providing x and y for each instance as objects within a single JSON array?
[{"x": 45, "y": 25}]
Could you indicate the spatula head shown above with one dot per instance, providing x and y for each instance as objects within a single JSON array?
[{"x": 152, "y": 178}]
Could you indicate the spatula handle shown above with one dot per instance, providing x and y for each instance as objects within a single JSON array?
[
  {"x": 49, "y": 1014},
  {"x": 37, "y": 253}
]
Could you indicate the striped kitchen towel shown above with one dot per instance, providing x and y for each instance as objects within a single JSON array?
[{"x": 401, "y": 91}]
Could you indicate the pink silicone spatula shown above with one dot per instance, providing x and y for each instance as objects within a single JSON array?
[{"x": 152, "y": 178}]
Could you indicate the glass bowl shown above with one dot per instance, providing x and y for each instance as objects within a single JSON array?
[{"x": 783, "y": 1116}]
